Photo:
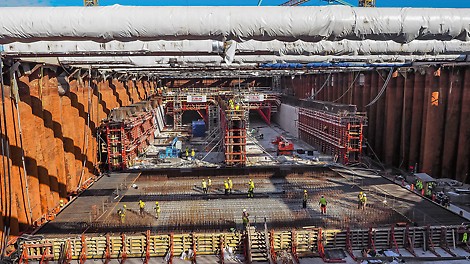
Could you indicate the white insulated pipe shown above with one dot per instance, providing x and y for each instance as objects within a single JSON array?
[{"x": 312, "y": 24}]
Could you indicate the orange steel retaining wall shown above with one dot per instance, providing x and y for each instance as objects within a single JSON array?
[{"x": 54, "y": 130}]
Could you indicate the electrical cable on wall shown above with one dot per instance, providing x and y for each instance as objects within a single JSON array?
[
  {"x": 382, "y": 90},
  {"x": 350, "y": 86},
  {"x": 321, "y": 88}
]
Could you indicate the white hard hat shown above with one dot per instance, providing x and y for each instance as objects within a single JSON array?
[
  {"x": 244, "y": 210},
  {"x": 364, "y": 195}
]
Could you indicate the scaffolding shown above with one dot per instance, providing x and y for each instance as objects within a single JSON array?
[
  {"x": 338, "y": 134},
  {"x": 128, "y": 136},
  {"x": 233, "y": 122}
]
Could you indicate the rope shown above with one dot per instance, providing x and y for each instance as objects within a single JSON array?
[
  {"x": 348, "y": 88},
  {"x": 384, "y": 87},
  {"x": 321, "y": 88}
]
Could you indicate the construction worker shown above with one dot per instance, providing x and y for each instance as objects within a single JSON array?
[
  {"x": 245, "y": 219},
  {"x": 141, "y": 207},
  {"x": 465, "y": 238},
  {"x": 251, "y": 188},
  {"x": 323, "y": 204},
  {"x": 204, "y": 186},
  {"x": 231, "y": 104},
  {"x": 359, "y": 200},
  {"x": 157, "y": 210},
  {"x": 124, "y": 208},
  {"x": 209, "y": 183},
  {"x": 230, "y": 185},
  {"x": 237, "y": 107},
  {"x": 187, "y": 152},
  {"x": 122, "y": 215},
  {"x": 364, "y": 201},
  {"x": 61, "y": 203},
  {"x": 193, "y": 154},
  {"x": 226, "y": 187},
  {"x": 304, "y": 201}
]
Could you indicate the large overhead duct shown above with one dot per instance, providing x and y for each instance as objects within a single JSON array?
[
  {"x": 206, "y": 47},
  {"x": 127, "y": 23},
  {"x": 252, "y": 60}
]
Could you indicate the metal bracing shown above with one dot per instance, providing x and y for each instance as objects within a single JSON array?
[{"x": 257, "y": 245}]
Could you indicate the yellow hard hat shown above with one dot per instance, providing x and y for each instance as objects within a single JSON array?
[
  {"x": 360, "y": 193},
  {"x": 305, "y": 190},
  {"x": 124, "y": 206},
  {"x": 156, "y": 202},
  {"x": 225, "y": 181}
]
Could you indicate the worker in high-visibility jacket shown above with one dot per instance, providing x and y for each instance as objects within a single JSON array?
[
  {"x": 141, "y": 207},
  {"x": 193, "y": 154},
  {"x": 251, "y": 188},
  {"x": 323, "y": 204},
  {"x": 359, "y": 200},
  {"x": 187, "y": 152},
  {"x": 204, "y": 186},
  {"x": 465, "y": 238},
  {"x": 364, "y": 201},
  {"x": 122, "y": 215},
  {"x": 209, "y": 184},
  {"x": 226, "y": 187},
  {"x": 230, "y": 185},
  {"x": 304, "y": 201},
  {"x": 157, "y": 210},
  {"x": 245, "y": 219}
]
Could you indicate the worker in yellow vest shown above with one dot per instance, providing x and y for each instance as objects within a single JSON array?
[
  {"x": 204, "y": 186},
  {"x": 226, "y": 187},
  {"x": 141, "y": 207},
  {"x": 157, "y": 210},
  {"x": 359, "y": 200},
  {"x": 364, "y": 201},
  {"x": 209, "y": 184},
  {"x": 230, "y": 185},
  {"x": 251, "y": 188},
  {"x": 465, "y": 238},
  {"x": 193, "y": 154}
]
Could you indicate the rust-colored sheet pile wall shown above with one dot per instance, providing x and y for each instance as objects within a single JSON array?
[
  {"x": 59, "y": 142},
  {"x": 421, "y": 118}
]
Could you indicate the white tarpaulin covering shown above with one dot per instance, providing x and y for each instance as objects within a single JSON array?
[
  {"x": 128, "y": 23},
  {"x": 148, "y": 61},
  {"x": 343, "y": 47}
]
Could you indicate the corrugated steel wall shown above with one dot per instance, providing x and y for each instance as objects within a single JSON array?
[
  {"x": 405, "y": 127},
  {"x": 56, "y": 141}
]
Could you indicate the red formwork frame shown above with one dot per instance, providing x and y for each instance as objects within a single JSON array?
[
  {"x": 127, "y": 139},
  {"x": 231, "y": 134},
  {"x": 340, "y": 135}
]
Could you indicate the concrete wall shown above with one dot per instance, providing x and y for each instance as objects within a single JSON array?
[
  {"x": 57, "y": 141},
  {"x": 406, "y": 125},
  {"x": 287, "y": 117}
]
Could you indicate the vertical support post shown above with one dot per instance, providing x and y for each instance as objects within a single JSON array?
[
  {"x": 409, "y": 245},
  {"x": 123, "y": 248},
  {"x": 271, "y": 247},
  {"x": 83, "y": 253},
  {"x": 393, "y": 241},
  {"x": 294, "y": 246},
  {"x": 147, "y": 246},
  {"x": 349, "y": 244},
  {"x": 194, "y": 247},
  {"x": 108, "y": 248},
  {"x": 222, "y": 246},
  {"x": 171, "y": 250}
]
